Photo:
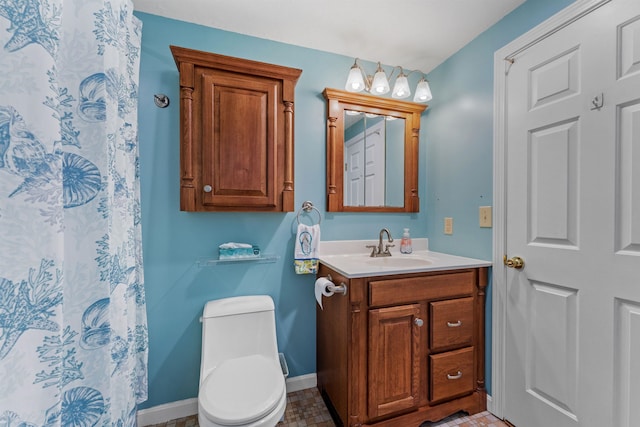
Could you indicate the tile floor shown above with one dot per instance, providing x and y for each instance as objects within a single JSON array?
[{"x": 305, "y": 408}]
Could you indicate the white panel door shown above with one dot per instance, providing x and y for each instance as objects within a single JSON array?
[
  {"x": 354, "y": 154},
  {"x": 375, "y": 165},
  {"x": 573, "y": 215},
  {"x": 364, "y": 177}
]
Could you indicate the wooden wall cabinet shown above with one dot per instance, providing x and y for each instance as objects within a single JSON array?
[
  {"x": 400, "y": 350},
  {"x": 236, "y": 133}
]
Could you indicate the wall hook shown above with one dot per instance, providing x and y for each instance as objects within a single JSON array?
[
  {"x": 161, "y": 100},
  {"x": 597, "y": 102}
]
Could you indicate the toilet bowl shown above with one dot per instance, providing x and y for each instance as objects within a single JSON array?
[{"x": 241, "y": 380}]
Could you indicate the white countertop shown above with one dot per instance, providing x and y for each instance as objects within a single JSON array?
[{"x": 352, "y": 259}]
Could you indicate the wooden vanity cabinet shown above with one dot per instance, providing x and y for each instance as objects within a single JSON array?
[
  {"x": 400, "y": 350},
  {"x": 236, "y": 133}
]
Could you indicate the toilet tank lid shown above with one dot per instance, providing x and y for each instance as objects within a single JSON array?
[{"x": 238, "y": 305}]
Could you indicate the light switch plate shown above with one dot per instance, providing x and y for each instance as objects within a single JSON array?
[
  {"x": 485, "y": 216},
  {"x": 448, "y": 225}
]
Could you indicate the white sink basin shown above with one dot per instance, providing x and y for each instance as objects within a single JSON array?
[
  {"x": 366, "y": 265},
  {"x": 401, "y": 261}
]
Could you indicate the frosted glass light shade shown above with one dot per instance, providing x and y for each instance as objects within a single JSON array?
[
  {"x": 355, "y": 81},
  {"x": 401, "y": 87},
  {"x": 380, "y": 84},
  {"x": 423, "y": 92}
]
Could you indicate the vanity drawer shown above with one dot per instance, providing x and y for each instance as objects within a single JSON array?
[
  {"x": 451, "y": 323},
  {"x": 412, "y": 289},
  {"x": 451, "y": 374}
]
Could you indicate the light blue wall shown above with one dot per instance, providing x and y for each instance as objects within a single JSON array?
[
  {"x": 176, "y": 287},
  {"x": 459, "y": 138},
  {"x": 454, "y": 181}
]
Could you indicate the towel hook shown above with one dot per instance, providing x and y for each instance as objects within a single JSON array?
[
  {"x": 161, "y": 100},
  {"x": 308, "y": 207}
]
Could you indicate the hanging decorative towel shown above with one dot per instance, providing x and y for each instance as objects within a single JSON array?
[{"x": 306, "y": 249}]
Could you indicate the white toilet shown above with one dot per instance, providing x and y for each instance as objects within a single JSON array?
[{"x": 241, "y": 380}]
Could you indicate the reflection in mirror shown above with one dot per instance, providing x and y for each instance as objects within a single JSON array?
[
  {"x": 374, "y": 159},
  {"x": 372, "y": 153}
]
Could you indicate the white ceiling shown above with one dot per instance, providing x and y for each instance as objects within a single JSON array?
[{"x": 414, "y": 34}]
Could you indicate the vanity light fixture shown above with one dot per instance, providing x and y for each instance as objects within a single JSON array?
[{"x": 378, "y": 84}]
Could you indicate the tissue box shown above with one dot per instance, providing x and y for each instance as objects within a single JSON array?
[{"x": 238, "y": 250}]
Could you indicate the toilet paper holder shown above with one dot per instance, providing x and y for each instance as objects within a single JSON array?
[{"x": 336, "y": 289}]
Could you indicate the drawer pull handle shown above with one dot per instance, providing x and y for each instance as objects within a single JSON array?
[
  {"x": 418, "y": 321},
  {"x": 454, "y": 377},
  {"x": 454, "y": 324}
]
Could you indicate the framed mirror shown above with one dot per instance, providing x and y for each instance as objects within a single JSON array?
[{"x": 372, "y": 153}]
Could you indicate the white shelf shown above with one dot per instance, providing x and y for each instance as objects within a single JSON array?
[{"x": 210, "y": 262}]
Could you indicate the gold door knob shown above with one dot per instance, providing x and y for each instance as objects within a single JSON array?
[{"x": 515, "y": 262}]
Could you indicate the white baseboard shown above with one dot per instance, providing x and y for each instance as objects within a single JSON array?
[
  {"x": 167, "y": 412},
  {"x": 188, "y": 407},
  {"x": 301, "y": 382},
  {"x": 490, "y": 404}
]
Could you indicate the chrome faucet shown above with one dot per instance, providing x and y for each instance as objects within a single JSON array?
[{"x": 381, "y": 249}]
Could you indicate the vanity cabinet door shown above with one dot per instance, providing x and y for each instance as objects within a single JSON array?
[{"x": 394, "y": 359}]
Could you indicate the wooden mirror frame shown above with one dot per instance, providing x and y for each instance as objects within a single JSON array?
[{"x": 340, "y": 100}]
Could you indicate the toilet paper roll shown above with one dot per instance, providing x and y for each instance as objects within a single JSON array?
[{"x": 322, "y": 288}]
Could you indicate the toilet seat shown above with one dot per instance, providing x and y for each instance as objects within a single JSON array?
[{"x": 241, "y": 390}]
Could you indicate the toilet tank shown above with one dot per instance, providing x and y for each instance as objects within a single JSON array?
[{"x": 236, "y": 327}]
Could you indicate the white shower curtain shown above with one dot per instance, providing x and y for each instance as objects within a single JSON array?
[{"x": 73, "y": 333}]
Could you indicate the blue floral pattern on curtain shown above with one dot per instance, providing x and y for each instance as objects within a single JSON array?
[{"x": 73, "y": 332}]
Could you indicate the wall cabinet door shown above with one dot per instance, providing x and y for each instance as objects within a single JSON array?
[
  {"x": 394, "y": 359},
  {"x": 239, "y": 147}
]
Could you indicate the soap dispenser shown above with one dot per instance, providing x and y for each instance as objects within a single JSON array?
[{"x": 405, "y": 243}]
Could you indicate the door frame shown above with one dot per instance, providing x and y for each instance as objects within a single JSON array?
[{"x": 502, "y": 61}]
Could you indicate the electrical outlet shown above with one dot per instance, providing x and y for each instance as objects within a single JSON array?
[
  {"x": 485, "y": 216},
  {"x": 448, "y": 225}
]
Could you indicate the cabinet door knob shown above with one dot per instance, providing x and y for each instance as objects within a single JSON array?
[
  {"x": 207, "y": 188},
  {"x": 418, "y": 321},
  {"x": 454, "y": 324}
]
